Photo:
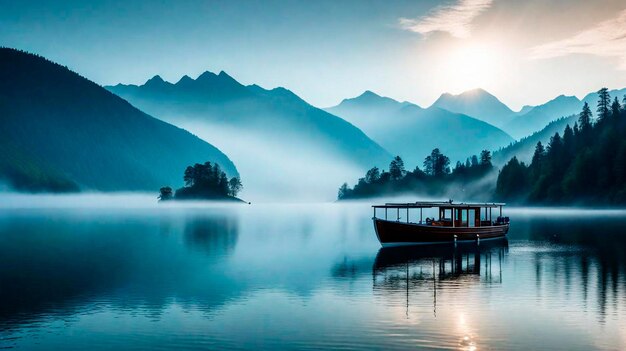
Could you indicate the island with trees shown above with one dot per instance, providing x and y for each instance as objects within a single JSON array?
[{"x": 204, "y": 182}]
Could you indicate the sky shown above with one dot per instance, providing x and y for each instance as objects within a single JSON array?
[{"x": 524, "y": 52}]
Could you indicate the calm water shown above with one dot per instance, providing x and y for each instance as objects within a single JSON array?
[{"x": 304, "y": 277}]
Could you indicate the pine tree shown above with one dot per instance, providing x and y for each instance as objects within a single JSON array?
[
  {"x": 604, "y": 104},
  {"x": 343, "y": 192},
  {"x": 485, "y": 158},
  {"x": 396, "y": 168},
  {"x": 568, "y": 140},
  {"x": 372, "y": 175},
  {"x": 616, "y": 108},
  {"x": 584, "y": 119}
]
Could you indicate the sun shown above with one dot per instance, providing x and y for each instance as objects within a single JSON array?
[{"x": 471, "y": 66}]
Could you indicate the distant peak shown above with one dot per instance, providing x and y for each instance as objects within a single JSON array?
[
  {"x": 206, "y": 75},
  {"x": 469, "y": 93},
  {"x": 184, "y": 79},
  {"x": 368, "y": 93},
  {"x": 563, "y": 97},
  {"x": 476, "y": 91},
  {"x": 155, "y": 80}
]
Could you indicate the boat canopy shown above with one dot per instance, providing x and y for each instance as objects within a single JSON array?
[{"x": 446, "y": 204}]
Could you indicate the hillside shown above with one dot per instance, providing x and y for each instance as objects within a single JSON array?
[
  {"x": 271, "y": 134},
  {"x": 62, "y": 132},
  {"x": 412, "y": 132},
  {"x": 524, "y": 148},
  {"x": 582, "y": 165},
  {"x": 540, "y": 116}
]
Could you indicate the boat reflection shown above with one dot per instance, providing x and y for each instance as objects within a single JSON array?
[{"x": 400, "y": 269}]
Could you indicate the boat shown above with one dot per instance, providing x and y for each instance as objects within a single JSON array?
[{"x": 456, "y": 222}]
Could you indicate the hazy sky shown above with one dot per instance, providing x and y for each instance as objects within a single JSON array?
[{"x": 524, "y": 52}]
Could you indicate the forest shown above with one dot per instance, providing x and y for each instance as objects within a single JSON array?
[
  {"x": 585, "y": 165},
  {"x": 204, "y": 182},
  {"x": 435, "y": 179}
]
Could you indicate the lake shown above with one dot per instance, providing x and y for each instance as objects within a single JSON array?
[{"x": 303, "y": 276}]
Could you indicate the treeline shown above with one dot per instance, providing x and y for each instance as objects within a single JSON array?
[
  {"x": 435, "y": 178},
  {"x": 585, "y": 164},
  {"x": 204, "y": 181}
]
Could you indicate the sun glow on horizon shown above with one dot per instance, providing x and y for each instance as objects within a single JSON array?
[{"x": 471, "y": 66}]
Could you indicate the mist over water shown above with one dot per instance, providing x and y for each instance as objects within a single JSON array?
[
  {"x": 273, "y": 170},
  {"x": 119, "y": 271}
]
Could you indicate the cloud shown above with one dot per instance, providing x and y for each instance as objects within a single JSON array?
[
  {"x": 605, "y": 39},
  {"x": 455, "y": 19}
]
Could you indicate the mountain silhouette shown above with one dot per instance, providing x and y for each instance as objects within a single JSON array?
[
  {"x": 540, "y": 116},
  {"x": 525, "y": 147},
  {"x": 60, "y": 131},
  {"x": 536, "y": 118},
  {"x": 273, "y": 135},
  {"x": 412, "y": 132},
  {"x": 477, "y": 103}
]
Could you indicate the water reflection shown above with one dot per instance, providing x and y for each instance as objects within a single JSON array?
[
  {"x": 61, "y": 265},
  {"x": 397, "y": 270},
  {"x": 276, "y": 277},
  {"x": 215, "y": 235}
]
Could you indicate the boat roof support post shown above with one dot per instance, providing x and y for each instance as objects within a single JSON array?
[{"x": 453, "y": 218}]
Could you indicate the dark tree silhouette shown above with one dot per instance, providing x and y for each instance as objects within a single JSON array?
[
  {"x": 373, "y": 175},
  {"x": 166, "y": 193},
  {"x": 396, "y": 168},
  {"x": 485, "y": 158},
  {"x": 604, "y": 103},
  {"x": 587, "y": 164},
  {"x": 584, "y": 120},
  {"x": 512, "y": 180},
  {"x": 437, "y": 164},
  {"x": 435, "y": 180},
  {"x": 206, "y": 181},
  {"x": 234, "y": 186}
]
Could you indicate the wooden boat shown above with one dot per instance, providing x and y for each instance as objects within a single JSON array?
[{"x": 456, "y": 222}]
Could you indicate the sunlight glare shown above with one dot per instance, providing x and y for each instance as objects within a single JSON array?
[{"x": 471, "y": 66}]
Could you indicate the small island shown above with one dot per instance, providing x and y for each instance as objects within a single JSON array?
[{"x": 204, "y": 182}]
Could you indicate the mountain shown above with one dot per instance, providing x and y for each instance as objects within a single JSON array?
[
  {"x": 369, "y": 110},
  {"x": 281, "y": 144},
  {"x": 62, "y": 132},
  {"x": 412, "y": 132},
  {"x": 477, "y": 103},
  {"x": 525, "y": 109},
  {"x": 539, "y": 116},
  {"x": 525, "y": 147},
  {"x": 592, "y": 98}
]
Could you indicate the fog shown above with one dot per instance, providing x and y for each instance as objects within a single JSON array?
[
  {"x": 301, "y": 172},
  {"x": 115, "y": 200}
]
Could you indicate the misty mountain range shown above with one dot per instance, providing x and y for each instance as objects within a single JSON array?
[
  {"x": 410, "y": 131},
  {"x": 277, "y": 140},
  {"x": 61, "y": 132}
]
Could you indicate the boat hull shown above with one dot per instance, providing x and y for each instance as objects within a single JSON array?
[{"x": 393, "y": 233}]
